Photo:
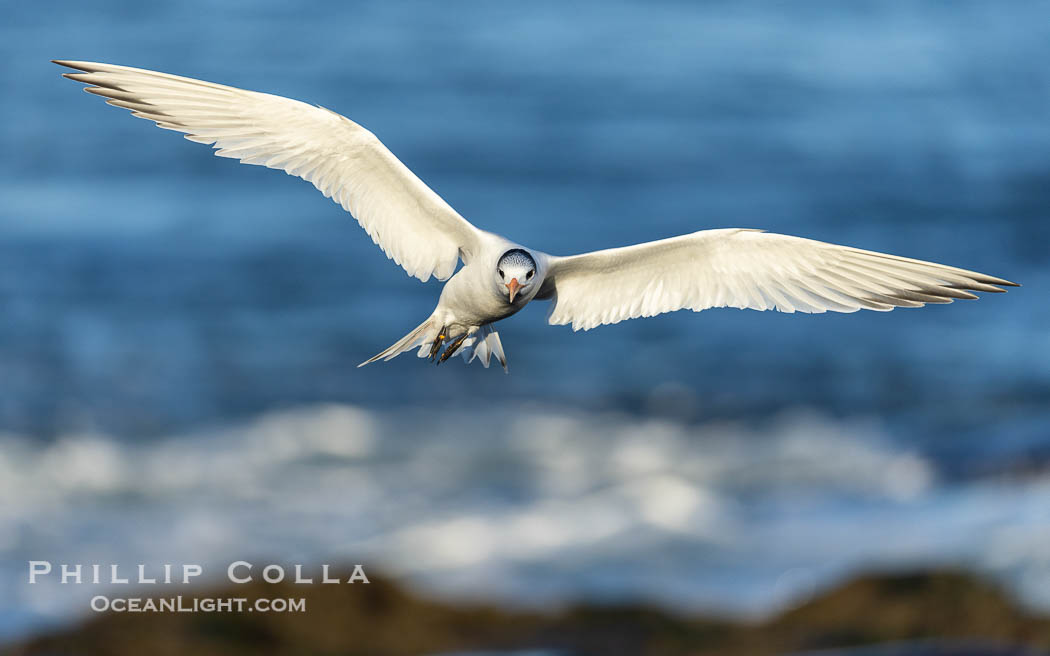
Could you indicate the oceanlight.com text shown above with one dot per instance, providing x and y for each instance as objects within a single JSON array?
[{"x": 181, "y": 604}]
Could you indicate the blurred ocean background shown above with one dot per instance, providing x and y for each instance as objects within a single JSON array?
[{"x": 179, "y": 334}]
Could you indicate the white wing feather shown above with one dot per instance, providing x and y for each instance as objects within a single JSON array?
[
  {"x": 346, "y": 162},
  {"x": 744, "y": 269}
]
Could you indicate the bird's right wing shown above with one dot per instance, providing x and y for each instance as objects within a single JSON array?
[
  {"x": 744, "y": 269},
  {"x": 411, "y": 223}
]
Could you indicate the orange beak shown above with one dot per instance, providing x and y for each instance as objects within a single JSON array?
[{"x": 512, "y": 287}]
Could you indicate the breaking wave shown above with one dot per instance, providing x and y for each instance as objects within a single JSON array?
[{"x": 525, "y": 505}]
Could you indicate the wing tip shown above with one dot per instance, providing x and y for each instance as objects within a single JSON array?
[
  {"x": 986, "y": 284},
  {"x": 372, "y": 359},
  {"x": 74, "y": 64}
]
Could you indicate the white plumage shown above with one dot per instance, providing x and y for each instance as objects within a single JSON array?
[
  {"x": 422, "y": 233},
  {"x": 747, "y": 269},
  {"x": 412, "y": 224}
]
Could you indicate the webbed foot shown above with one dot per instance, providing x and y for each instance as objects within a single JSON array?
[
  {"x": 453, "y": 347},
  {"x": 436, "y": 346}
]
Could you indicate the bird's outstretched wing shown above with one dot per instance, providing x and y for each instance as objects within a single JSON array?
[
  {"x": 744, "y": 269},
  {"x": 411, "y": 223}
]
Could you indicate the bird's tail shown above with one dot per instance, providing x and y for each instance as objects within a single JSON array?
[
  {"x": 483, "y": 345},
  {"x": 420, "y": 335}
]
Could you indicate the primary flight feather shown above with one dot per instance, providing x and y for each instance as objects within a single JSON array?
[{"x": 417, "y": 229}]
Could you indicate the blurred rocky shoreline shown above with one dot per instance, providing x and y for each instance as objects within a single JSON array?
[{"x": 920, "y": 613}]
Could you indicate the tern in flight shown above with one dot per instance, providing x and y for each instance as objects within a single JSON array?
[{"x": 730, "y": 267}]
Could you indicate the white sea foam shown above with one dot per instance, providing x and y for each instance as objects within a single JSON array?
[{"x": 526, "y": 505}]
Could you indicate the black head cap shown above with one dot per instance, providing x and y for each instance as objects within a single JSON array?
[{"x": 517, "y": 256}]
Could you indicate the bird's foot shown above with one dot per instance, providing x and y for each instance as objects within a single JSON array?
[
  {"x": 436, "y": 346},
  {"x": 453, "y": 347}
]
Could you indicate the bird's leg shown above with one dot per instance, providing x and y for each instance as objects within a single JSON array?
[
  {"x": 436, "y": 346},
  {"x": 451, "y": 350}
]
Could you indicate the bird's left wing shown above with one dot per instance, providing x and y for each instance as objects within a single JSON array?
[
  {"x": 347, "y": 163},
  {"x": 744, "y": 269}
]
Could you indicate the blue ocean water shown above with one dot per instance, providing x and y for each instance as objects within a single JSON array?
[{"x": 168, "y": 313}]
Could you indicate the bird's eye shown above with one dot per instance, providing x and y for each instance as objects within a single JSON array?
[
  {"x": 528, "y": 276},
  {"x": 500, "y": 272}
]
